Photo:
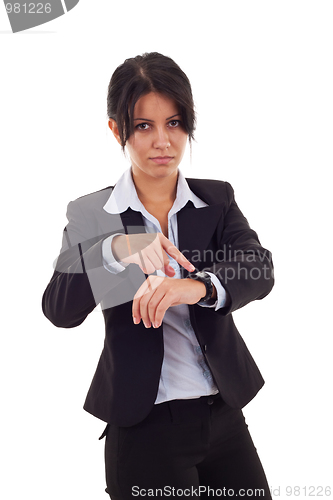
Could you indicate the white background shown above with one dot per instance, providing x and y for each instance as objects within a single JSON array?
[{"x": 262, "y": 79}]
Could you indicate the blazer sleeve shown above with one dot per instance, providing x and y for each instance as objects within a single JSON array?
[
  {"x": 245, "y": 268},
  {"x": 80, "y": 281}
]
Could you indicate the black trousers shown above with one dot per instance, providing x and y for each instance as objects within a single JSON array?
[{"x": 190, "y": 448}]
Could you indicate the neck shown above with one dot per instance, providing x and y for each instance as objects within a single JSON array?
[{"x": 156, "y": 190}]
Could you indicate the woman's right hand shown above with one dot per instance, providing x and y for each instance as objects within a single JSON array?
[{"x": 149, "y": 251}]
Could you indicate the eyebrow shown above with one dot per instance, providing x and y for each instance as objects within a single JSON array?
[{"x": 147, "y": 119}]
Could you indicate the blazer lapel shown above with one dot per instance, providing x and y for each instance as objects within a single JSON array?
[
  {"x": 196, "y": 227},
  {"x": 132, "y": 222}
]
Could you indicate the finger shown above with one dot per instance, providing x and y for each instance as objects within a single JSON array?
[
  {"x": 136, "y": 302},
  {"x": 163, "y": 257},
  {"x": 158, "y": 256},
  {"x": 148, "y": 302},
  {"x": 143, "y": 309},
  {"x": 153, "y": 259},
  {"x": 140, "y": 300},
  {"x": 147, "y": 261},
  {"x": 144, "y": 263},
  {"x": 160, "y": 310},
  {"x": 158, "y": 304},
  {"x": 176, "y": 254},
  {"x": 167, "y": 269}
]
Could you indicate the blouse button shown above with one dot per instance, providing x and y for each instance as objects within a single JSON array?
[{"x": 188, "y": 323}]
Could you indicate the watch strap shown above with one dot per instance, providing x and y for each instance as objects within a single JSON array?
[{"x": 206, "y": 280}]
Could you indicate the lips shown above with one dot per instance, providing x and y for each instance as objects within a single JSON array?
[{"x": 162, "y": 160}]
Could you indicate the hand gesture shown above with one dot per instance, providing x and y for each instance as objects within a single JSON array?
[
  {"x": 157, "y": 294},
  {"x": 149, "y": 251}
]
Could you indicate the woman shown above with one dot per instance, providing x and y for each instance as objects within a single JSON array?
[{"x": 174, "y": 372}]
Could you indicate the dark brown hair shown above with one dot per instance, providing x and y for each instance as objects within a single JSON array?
[{"x": 140, "y": 75}]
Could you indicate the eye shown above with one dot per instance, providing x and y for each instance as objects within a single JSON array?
[
  {"x": 143, "y": 126},
  {"x": 174, "y": 123}
]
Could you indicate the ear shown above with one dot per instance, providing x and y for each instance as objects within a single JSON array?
[{"x": 114, "y": 129}]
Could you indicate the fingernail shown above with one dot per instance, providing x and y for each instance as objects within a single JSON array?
[
  {"x": 136, "y": 321},
  {"x": 192, "y": 268},
  {"x": 156, "y": 325},
  {"x": 147, "y": 325}
]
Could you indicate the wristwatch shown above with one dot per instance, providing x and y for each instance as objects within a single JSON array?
[{"x": 206, "y": 280}]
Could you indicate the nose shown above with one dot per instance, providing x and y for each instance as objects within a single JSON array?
[{"x": 161, "y": 139}]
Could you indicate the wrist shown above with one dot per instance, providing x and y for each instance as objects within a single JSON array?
[
  {"x": 119, "y": 247},
  {"x": 201, "y": 289},
  {"x": 204, "y": 279}
]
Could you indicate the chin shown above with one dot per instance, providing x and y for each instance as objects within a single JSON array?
[
  {"x": 155, "y": 171},
  {"x": 164, "y": 171}
]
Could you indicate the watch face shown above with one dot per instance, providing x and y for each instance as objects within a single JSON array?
[{"x": 201, "y": 274}]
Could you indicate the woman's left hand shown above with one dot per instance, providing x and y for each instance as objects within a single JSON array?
[{"x": 157, "y": 294}]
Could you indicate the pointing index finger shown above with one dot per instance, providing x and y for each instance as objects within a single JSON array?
[{"x": 176, "y": 254}]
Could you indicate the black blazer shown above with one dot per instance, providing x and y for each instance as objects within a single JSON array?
[{"x": 215, "y": 238}]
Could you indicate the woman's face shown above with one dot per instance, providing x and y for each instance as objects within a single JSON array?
[{"x": 158, "y": 143}]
